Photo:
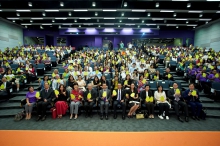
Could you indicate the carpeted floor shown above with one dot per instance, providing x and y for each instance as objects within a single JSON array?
[{"x": 95, "y": 124}]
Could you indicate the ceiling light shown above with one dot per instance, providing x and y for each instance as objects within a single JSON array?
[
  {"x": 158, "y": 26},
  {"x": 44, "y": 14},
  {"x": 150, "y": 24},
  {"x": 157, "y": 19},
  {"x": 166, "y": 11},
  {"x": 109, "y": 24},
  {"x": 118, "y": 25},
  {"x": 67, "y": 24},
  {"x": 53, "y": 20},
  {"x": 75, "y": 20},
  {"x": 171, "y": 24},
  {"x": 12, "y": 18},
  {"x": 187, "y": 21},
  {"x": 200, "y": 15},
  {"x": 109, "y": 10},
  {"x": 138, "y": 26},
  {"x": 59, "y": 26},
  {"x": 133, "y": 18},
  {"x": 99, "y": 26},
  {"x": 188, "y": 5},
  {"x": 192, "y": 25},
  {"x": 138, "y": 10},
  {"x": 52, "y": 10},
  {"x": 23, "y": 10},
  {"x": 18, "y": 14},
  {"x": 31, "y": 21},
  {"x": 218, "y": 12},
  {"x": 142, "y": 21},
  {"x": 79, "y": 25},
  {"x": 70, "y": 14},
  {"x": 108, "y": 18},
  {"x": 129, "y": 24},
  {"x": 194, "y": 11},
  {"x": 165, "y": 21},
  {"x": 46, "y": 24},
  {"x": 61, "y": 4},
  {"x": 84, "y": 18},
  {"x": 204, "y": 19},
  {"x": 148, "y": 14},
  {"x": 37, "y": 18},
  {"x": 125, "y": 4},
  {"x": 0, "y": 10},
  {"x": 96, "y": 13},
  {"x": 30, "y": 4},
  {"x": 180, "y": 0},
  {"x": 207, "y": 22},
  {"x": 120, "y": 20},
  {"x": 174, "y": 14},
  {"x": 212, "y": 0},
  {"x": 157, "y": 5},
  {"x": 61, "y": 18},
  {"x": 13, "y": 21},
  {"x": 81, "y": 10},
  {"x": 181, "y": 19},
  {"x": 87, "y": 23},
  {"x": 177, "y": 26},
  {"x": 25, "y": 26},
  {"x": 122, "y": 14},
  {"x": 93, "y": 4}
]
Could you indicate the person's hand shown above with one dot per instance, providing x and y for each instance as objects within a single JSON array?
[
  {"x": 45, "y": 100},
  {"x": 29, "y": 104},
  {"x": 64, "y": 93},
  {"x": 196, "y": 96},
  {"x": 56, "y": 96},
  {"x": 189, "y": 94},
  {"x": 166, "y": 75},
  {"x": 106, "y": 100},
  {"x": 122, "y": 100}
]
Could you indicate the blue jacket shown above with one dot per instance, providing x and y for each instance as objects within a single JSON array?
[{"x": 191, "y": 98}]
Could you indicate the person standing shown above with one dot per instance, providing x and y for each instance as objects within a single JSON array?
[
  {"x": 110, "y": 45},
  {"x": 121, "y": 45}
]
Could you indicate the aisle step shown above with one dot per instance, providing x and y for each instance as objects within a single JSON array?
[
  {"x": 214, "y": 106},
  {"x": 16, "y": 99},
  {"x": 5, "y": 113},
  {"x": 10, "y": 105}
]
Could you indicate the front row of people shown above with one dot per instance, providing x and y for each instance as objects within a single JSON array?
[{"x": 119, "y": 99}]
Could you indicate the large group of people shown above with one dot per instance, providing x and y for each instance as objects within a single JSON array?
[{"x": 112, "y": 78}]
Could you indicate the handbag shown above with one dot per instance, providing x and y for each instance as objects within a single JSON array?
[
  {"x": 140, "y": 116},
  {"x": 54, "y": 112}
]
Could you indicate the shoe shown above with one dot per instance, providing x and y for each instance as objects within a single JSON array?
[
  {"x": 161, "y": 117},
  {"x": 187, "y": 119},
  {"x": 197, "y": 118},
  {"x": 164, "y": 114},
  {"x": 152, "y": 116},
  {"x": 106, "y": 117},
  {"x": 115, "y": 116},
  {"x": 75, "y": 118},
  {"x": 167, "y": 118},
  {"x": 193, "y": 118},
  {"x": 128, "y": 116},
  {"x": 71, "y": 117},
  {"x": 123, "y": 117},
  {"x": 44, "y": 118},
  {"x": 38, "y": 119},
  {"x": 181, "y": 120},
  {"x": 101, "y": 117}
]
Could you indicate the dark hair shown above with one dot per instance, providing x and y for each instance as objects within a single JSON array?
[
  {"x": 64, "y": 88},
  {"x": 147, "y": 85},
  {"x": 192, "y": 84},
  {"x": 69, "y": 77},
  {"x": 141, "y": 76},
  {"x": 30, "y": 87},
  {"x": 159, "y": 87},
  {"x": 45, "y": 76}
]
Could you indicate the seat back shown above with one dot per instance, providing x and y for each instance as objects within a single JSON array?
[
  {"x": 164, "y": 84},
  {"x": 153, "y": 84},
  {"x": 216, "y": 85}
]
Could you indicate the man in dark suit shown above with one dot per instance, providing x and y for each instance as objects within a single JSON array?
[
  {"x": 177, "y": 100},
  {"x": 110, "y": 45},
  {"x": 167, "y": 75},
  {"x": 46, "y": 95},
  {"x": 150, "y": 105},
  {"x": 192, "y": 97},
  {"x": 119, "y": 100},
  {"x": 5, "y": 93},
  {"x": 104, "y": 97},
  {"x": 89, "y": 101}
]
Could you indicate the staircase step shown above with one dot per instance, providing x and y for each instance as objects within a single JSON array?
[
  {"x": 33, "y": 84},
  {"x": 210, "y": 106},
  {"x": 21, "y": 93},
  {"x": 9, "y": 112},
  {"x": 213, "y": 113},
  {"x": 10, "y": 105},
  {"x": 206, "y": 100},
  {"x": 16, "y": 99}
]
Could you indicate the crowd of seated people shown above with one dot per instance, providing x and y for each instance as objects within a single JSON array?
[{"x": 119, "y": 79}]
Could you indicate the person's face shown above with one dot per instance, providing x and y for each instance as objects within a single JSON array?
[
  {"x": 3, "y": 79},
  {"x": 132, "y": 86},
  {"x": 191, "y": 87},
  {"x": 61, "y": 88},
  {"x": 31, "y": 89},
  {"x": 141, "y": 77},
  {"x": 89, "y": 87},
  {"x": 160, "y": 88},
  {"x": 80, "y": 78},
  {"x": 9, "y": 72},
  {"x": 71, "y": 77},
  {"x": 175, "y": 86},
  {"x": 214, "y": 71},
  {"x": 76, "y": 87},
  {"x": 46, "y": 77},
  {"x": 104, "y": 86},
  {"x": 57, "y": 77},
  {"x": 147, "y": 88},
  {"x": 167, "y": 70},
  {"x": 46, "y": 85},
  {"x": 119, "y": 86}
]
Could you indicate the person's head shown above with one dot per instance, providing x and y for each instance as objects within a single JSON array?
[
  {"x": 191, "y": 86},
  {"x": 79, "y": 77},
  {"x": 95, "y": 68},
  {"x": 128, "y": 77},
  {"x": 71, "y": 78},
  {"x": 134, "y": 64},
  {"x": 66, "y": 70},
  {"x": 96, "y": 79},
  {"x": 45, "y": 78},
  {"x": 30, "y": 66},
  {"x": 175, "y": 85},
  {"x": 132, "y": 86},
  {"x": 104, "y": 86},
  {"x": 31, "y": 89},
  {"x": 4, "y": 79},
  {"x": 214, "y": 71},
  {"x": 89, "y": 86},
  {"x": 75, "y": 87},
  {"x": 159, "y": 88},
  {"x": 55, "y": 71},
  {"x": 157, "y": 72},
  {"x": 57, "y": 76},
  {"x": 167, "y": 70},
  {"x": 9, "y": 72},
  {"x": 141, "y": 77},
  {"x": 62, "y": 88},
  {"x": 119, "y": 85},
  {"x": 103, "y": 78},
  {"x": 147, "y": 87},
  {"x": 46, "y": 85}
]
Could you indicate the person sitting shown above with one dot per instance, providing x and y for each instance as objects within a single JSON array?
[
  {"x": 81, "y": 83},
  {"x": 31, "y": 74},
  {"x": 161, "y": 100},
  {"x": 147, "y": 97},
  {"x": 132, "y": 96},
  {"x": 127, "y": 82},
  {"x": 41, "y": 82},
  {"x": 104, "y": 97},
  {"x": 141, "y": 83},
  {"x": 192, "y": 97},
  {"x": 175, "y": 95},
  {"x": 31, "y": 101},
  {"x": 5, "y": 87},
  {"x": 90, "y": 98},
  {"x": 76, "y": 101},
  {"x": 157, "y": 76},
  {"x": 167, "y": 75},
  {"x": 61, "y": 101},
  {"x": 44, "y": 100},
  {"x": 70, "y": 83},
  {"x": 57, "y": 82},
  {"x": 118, "y": 98}
]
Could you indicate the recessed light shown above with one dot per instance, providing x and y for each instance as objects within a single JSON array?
[
  {"x": 148, "y": 14},
  {"x": 96, "y": 13},
  {"x": 44, "y": 14},
  {"x": 30, "y": 4},
  {"x": 70, "y": 14},
  {"x": 120, "y": 20},
  {"x": 177, "y": 26},
  {"x": 118, "y": 25},
  {"x": 75, "y": 20},
  {"x": 25, "y": 26},
  {"x": 18, "y": 14},
  {"x": 13, "y": 21},
  {"x": 53, "y": 20},
  {"x": 157, "y": 5},
  {"x": 125, "y": 4},
  {"x": 187, "y": 21},
  {"x": 93, "y": 4},
  {"x": 142, "y": 21},
  {"x": 99, "y": 26},
  {"x": 207, "y": 22},
  {"x": 61, "y": 4},
  {"x": 174, "y": 14},
  {"x": 122, "y": 14},
  {"x": 188, "y": 5},
  {"x": 200, "y": 15},
  {"x": 138, "y": 26}
]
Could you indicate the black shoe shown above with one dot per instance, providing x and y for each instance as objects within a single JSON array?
[
  {"x": 193, "y": 118},
  {"x": 101, "y": 117},
  {"x": 123, "y": 117},
  {"x": 38, "y": 118},
  {"x": 115, "y": 116},
  {"x": 106, "y": 117},
  {"x": 197, "y": 118},
  {"x": 187, "y": 119},
  {"x": 181, "y": 120},
  {"x": 44, "y": 118}
]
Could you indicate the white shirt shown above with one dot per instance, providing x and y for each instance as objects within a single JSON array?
[
  {"x": 158, "y": 95},
  {"x": 56, "y": 85}
]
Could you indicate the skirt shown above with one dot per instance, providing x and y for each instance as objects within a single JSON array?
[{"x": 61, "y": 107}]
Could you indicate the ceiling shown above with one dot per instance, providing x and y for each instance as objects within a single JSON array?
[{"x": 163, "y": 14}]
